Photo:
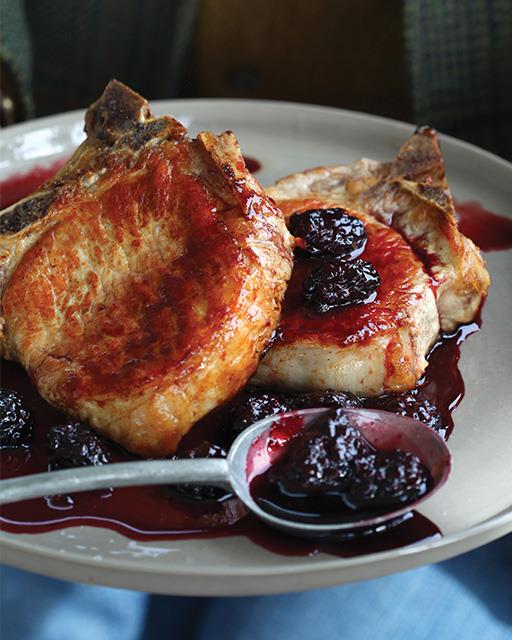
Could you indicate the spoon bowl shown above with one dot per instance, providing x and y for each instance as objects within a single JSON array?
[
  {"x": 251, "y": 454},
  {"x": 260, "y": 446}
]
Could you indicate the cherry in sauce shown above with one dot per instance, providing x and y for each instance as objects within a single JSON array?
[
  {"x": 148, "y": 513},
  {"x": 154, "y": 513},
  {"x": 327, "y": 472}
]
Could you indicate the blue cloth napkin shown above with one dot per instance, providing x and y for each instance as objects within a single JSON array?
[{"x": 469, "y": 598}]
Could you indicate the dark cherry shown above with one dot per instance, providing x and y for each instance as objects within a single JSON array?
[
  {"x": 410, "y": 404},
  {"x": 328, "y": 398},
  {"x": 363, "y": 487},
  {"x": 198, "y": 492},
  {"x": 75, "y": 445},
  {"x": 329, "y": 232},
  {"x": 256, "y": 404},
  {"x": 385, "y": 480},
  {"x": 321, "y": 458},
  {"x": 338, "y": 283},
  {"x": 330, "y": 470},
  {"x": 16, "y": 421}
]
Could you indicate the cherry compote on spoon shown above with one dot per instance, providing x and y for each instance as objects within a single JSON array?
[
  {"x": 330, "y": 472},
  {"x": 342, "y": 472}
]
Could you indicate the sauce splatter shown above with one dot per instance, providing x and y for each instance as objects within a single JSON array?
[
  {"x": 252, "y": 164},
  {"x": 23, "y": 184},
  {"x": 488, "y": 230}
]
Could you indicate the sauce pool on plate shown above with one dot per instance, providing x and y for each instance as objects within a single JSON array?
[
  {"x": 150, "y": 513},
  {"x": 488, "y": 230}
]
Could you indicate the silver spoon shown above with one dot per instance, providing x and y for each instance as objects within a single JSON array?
[{"x": 248, "y": 457}]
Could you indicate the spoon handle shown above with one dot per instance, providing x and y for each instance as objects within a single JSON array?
[{"x": 124, "y": 474}]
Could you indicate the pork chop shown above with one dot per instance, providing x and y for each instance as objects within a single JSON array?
[
  {"x": 141, "y": 284},
  {"x": 366, "y": 349},
  {"x": 411, "y": 195},
  {"x": 432, "y": 276}
]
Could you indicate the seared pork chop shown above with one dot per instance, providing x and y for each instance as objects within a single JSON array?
[
  {"x": 366, "y": 349},
  {"x": 141, "y": 284},
  {"x": 411, "y": 195},
  {"x": 408, "y": 213}
]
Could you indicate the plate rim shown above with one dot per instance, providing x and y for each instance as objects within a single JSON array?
[
  {"x": 19, "y": 128},
  {"x": 502, "y": 519}
]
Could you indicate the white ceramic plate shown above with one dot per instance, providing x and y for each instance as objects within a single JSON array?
[{"x": 474, "y": 507}]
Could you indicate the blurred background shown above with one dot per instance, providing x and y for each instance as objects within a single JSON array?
[{"x": 447, "y": 63}]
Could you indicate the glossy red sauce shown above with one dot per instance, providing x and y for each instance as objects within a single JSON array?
[
  {"x": 152, "y": 513},
  {"x": 267, "y": 455},
  {"x": 268, "y": 448},
  {"x": 149, "y": 513},
  {"x": 252, "y": 164},
  {"x": 20, "y": 185},
  {"x": 23, "y": 184},
  {"x": 488, "y": 230},
  {"x": 398, "y": 269}
]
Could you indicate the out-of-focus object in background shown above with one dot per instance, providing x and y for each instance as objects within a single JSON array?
[
  {"x": 446, "y": 63},
  {"x": 344, "y": 54},
  {"x": 77, "y": 46},
  {"x": 15, "y": 64},
  {"x": 459, "y": 56}
]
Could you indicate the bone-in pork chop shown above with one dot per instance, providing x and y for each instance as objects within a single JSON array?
[
  {"x": 366, "y": 348},
  {"x": 431, "y": 276},
  {"x": 412, "y": 196},
  {"x": 140, "y": 285}
]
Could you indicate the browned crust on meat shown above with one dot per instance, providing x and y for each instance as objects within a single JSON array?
[
  {"x": 426, "y": 218},
  {"x": 366, "y": 349},
  {"x": 411, "y": 194},
  {"x": 116, "y": 111},
  {"x": 144, "y": 297}
]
